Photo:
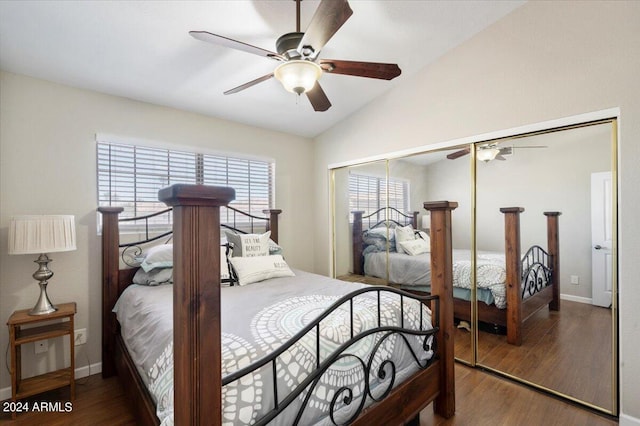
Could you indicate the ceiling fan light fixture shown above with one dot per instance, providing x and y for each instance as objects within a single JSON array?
[
  {"x": 298, "y": 76},
  {"x": 487, "y": 154}
]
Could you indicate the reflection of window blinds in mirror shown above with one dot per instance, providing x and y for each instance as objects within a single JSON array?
[{"x": 369, "y": 193}]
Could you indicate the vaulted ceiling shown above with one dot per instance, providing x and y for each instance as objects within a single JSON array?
[{"x": 142, "y": 50}]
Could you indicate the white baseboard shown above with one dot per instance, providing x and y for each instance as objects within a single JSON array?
[
  {"x": 88, "y": 370},
  {"x": 626, "y": 420},
  {"x": 578, "y": 299},
  {"x": 5, "y": 393}
]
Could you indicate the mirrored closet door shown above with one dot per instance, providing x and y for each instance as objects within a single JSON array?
[
  {"x": 534, "y": 249},
  {"x": 548, "y": 199},
  {"x": 359, "y": 203}
]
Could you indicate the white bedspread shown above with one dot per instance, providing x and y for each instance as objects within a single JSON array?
[
  {"x": 258, "y": 318},
  {"x": 416, "y": 270}
]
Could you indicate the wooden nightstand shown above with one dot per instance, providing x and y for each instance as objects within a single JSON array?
[{"x": 18, "y": 336}]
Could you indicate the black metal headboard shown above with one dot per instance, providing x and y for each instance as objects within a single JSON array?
[{"x": 247, "y": 224}]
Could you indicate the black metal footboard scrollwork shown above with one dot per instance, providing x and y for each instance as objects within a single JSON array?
[
  {"x": 536, "y": 271},
  {"x": 363, "y": 369}
]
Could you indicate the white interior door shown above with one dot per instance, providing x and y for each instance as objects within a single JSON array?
[{"x": 601, "y": 239}]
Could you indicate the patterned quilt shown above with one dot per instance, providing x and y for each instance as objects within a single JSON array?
[
  {"x": 416, "y": 270},
  {"x": 259, "y": 318}
]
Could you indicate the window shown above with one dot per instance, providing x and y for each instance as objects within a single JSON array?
[
  {"x": 369, "y": 193},
  {"x": 130, "y": 176}
]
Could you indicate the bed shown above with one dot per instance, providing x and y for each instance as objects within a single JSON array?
[
  {"x": 201, "y": 335},
  {"x": 511, "y": 286}
]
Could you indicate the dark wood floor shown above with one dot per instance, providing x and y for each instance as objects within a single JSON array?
[
  {"x": 569, "y": 351},
  {"x": 481, "y": 399},
  {"x": 98, "y": 402}
]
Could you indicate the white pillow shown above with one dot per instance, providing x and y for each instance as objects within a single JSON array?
[
  {"x": 383, "y": 231},
  {"x": 259, "y": 268},
  {"x": 249, "y": 245},
  {"x": 154, "y": 277},
  {"x": 161, "y": 257},
  {"x": 158, "y": 257},
  {"x": 403, "y": 233},
  {"x": 423, "y": 235},
  {"x": 415, "y": 247},
  {"x": 224, "y": 267},
  {"x": 274, "y": 248}
]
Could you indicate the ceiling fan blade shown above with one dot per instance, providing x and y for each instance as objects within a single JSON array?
[
  {"x": 328, "y": 19},
  {"x": 499, "y": 157},
  {"x": 361, "y": 69},
  {"x": 249, "y": 84},
  {"x": 318, "y": 98},
  {"x": 458, "y": 154},
  {"x": 233, "y": 44}
]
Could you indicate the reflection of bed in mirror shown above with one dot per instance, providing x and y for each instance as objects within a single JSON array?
[{"x": 510, "y": 287}]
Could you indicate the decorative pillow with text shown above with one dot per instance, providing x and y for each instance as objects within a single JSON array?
[
  {"x": 249, "y": 245},
  {"x": 259, "y": 268}
]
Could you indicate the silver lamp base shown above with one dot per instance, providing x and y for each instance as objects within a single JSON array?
[{"x": 43, "y": 305}]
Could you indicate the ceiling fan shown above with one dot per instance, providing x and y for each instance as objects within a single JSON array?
[
  {"x": 300, "y": 66},
  {"x": 490, "y": 151}
]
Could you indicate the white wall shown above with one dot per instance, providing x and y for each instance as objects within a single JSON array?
[
  {"x": 544, "y": 61},
  {"x": 451, "y": 180},
  {"x": 48, "y": 165}
]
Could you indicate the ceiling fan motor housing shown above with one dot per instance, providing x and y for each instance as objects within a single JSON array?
[{"x": 287, "y": 45}]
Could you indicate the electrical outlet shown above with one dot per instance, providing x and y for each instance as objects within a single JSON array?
[
  {"x": 575, "y": 280},
  {"x": 80, "y": 336},
  {"x": 41, "y": 346}
]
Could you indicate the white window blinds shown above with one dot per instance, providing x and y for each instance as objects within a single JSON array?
[
  {"x": 130, "y": 176},
  {"x": 369, "y": 193}
]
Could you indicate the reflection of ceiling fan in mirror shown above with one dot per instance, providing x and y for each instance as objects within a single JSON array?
[
  {"x": 490, "y": 151},
  {"x": 300, "y": 66}
]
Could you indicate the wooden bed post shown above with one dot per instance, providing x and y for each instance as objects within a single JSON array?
[
  {"x": 110, "y": 266},
  {"x": 414, "y": 220},
  {"x": 442, "y": 286},
  {"x": 513, "y": 268},
  {"x": 553, "y": 247},
  {"x": 272, "y": 225},
  {"x": 197, "y": 350},
  {"x": 356, "y": 233}
]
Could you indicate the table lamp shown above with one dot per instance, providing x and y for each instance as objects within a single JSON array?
[{"x": 42, "y": 234}]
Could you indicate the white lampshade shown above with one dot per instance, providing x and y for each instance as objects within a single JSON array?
[
  {"x": 487, "y": 154},
  {"x": 298, "y": 76},
  {"x": 41, "y": 234}
]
